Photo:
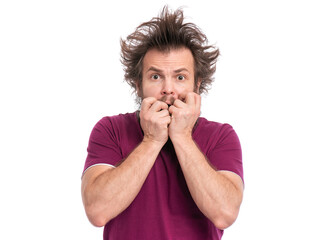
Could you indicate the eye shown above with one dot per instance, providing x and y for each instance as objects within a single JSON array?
[
  {"x": 155, "y": 76},
  {"x": 180, "y": 77}
]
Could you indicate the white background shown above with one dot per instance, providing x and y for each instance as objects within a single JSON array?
[{"x": 275, "y": 84}]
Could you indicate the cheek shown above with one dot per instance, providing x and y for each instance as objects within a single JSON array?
[
  {"x": 184, "y": 88},
  {"x": 150, "y": 91}
]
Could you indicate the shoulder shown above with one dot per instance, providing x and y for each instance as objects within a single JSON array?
[
  {"x": 220, "y": 143},
  {"x": 117, "y": 120},
  {"x": 115, "y": 125},
  {"x": 213, "y": 129},
  {"x": 122, "y": 117},
  {"x": 210, "y": 135}
]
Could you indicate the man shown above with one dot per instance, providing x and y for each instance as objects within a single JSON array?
[{"x": 163, "y": 172}]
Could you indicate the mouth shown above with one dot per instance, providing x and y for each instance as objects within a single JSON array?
[{"x": 169, "y": 100}]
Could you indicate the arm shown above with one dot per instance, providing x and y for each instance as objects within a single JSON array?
[
  {"x": 107, "y": 191},
  {"x": 217, "y": 194}
]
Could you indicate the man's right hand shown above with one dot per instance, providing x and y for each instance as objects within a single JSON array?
[
  {"x": 103, "y": 185},
  {"x": 154, "y": 120}
]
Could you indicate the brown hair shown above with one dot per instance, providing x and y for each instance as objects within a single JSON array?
[{"x": 166, "y": 32}]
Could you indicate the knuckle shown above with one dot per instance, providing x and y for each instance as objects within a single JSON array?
[
  {"x": 164, "y": 112},
  {"x": 147, "y": 101},
  {"x": 146, "y": 117},
  {"x": 164, "y": 105}
]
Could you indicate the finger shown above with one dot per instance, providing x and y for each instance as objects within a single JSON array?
[
  {"x": 158, "y": 105},
  {"x": 178, "y": 103},
  {"x": 147, "y": 103},
  {"x": 172, "y": 109},
  {"x": 163, "y": 113},
  {"x": 190, "y": 98},
  {"x": 167, "y": 120}
]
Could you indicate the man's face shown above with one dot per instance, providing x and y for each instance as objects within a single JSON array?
[{"x": 168, "y": 75}]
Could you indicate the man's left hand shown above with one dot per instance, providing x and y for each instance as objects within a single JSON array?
[{"x": 184, "y": 116}]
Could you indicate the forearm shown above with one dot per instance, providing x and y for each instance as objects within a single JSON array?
[
  {"x": 111, "y": 192},
  {"x": 214, "y": 194}
]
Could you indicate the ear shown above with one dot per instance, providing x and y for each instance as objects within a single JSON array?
[
  {"x": 198, "y": 84},
  {"x": 138, "y": 89}
]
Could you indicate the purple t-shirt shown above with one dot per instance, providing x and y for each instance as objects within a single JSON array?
[{"x": 164, "y": 208}]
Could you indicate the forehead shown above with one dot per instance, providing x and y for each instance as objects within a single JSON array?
[{"x": 172, "y": 59}]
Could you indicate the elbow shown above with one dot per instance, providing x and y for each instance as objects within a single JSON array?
[
  {"x": 97, "y": 222},
  {"x": 95, "y": 218},
  {"x": 222, "y": 224},
  {"x": 97, "y": 213},
  {"x": 99, "y": 216},
  {"x": 225, "y": 219}
]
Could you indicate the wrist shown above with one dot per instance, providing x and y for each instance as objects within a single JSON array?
[
  {"x": 155, "y": 144},
  {"x": 181, "y": 139}
]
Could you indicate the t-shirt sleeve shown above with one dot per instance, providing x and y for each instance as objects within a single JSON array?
[
  {"x": 103, "y": 147},
  {"x": 227, "y": 153}
]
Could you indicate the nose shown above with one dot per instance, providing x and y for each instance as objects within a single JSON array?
[{"x": 168, "y": 87}]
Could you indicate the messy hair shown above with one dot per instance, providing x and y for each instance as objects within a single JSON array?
[{"x": 166, "y": 32}]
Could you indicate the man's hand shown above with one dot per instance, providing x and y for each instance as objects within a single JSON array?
[
  {"x": 154, "y": 120},
  {"x": 184, "y": 116}
]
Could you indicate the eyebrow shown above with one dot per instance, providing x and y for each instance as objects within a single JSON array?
[
  {"x": 181, "y": 70},
  {"x": 160, "y": 71},
  {"x": 154, "y": 69}
]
